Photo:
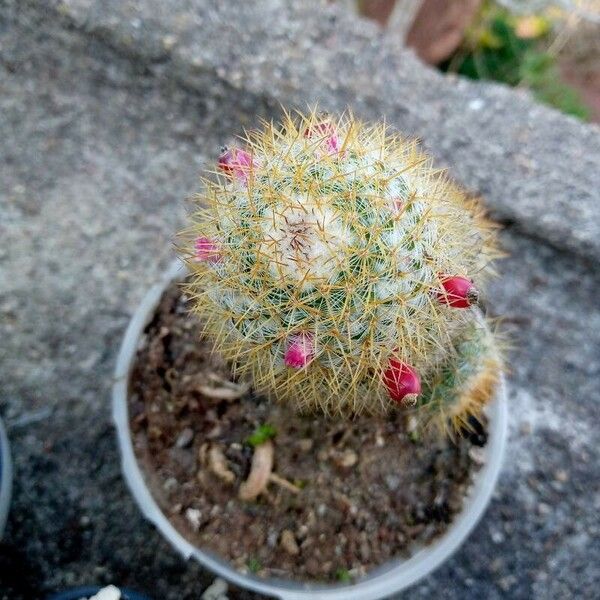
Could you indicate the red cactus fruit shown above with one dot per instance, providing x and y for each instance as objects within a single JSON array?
[
  {"x": 458, "y": 292},
  {"x": 403, "y": 382}
]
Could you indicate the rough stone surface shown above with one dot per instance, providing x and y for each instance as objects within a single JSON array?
[
  {"x": 108, "y": 110},
  {"x": 298, "y": 52}
]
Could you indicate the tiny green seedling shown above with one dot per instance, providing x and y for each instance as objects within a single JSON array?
[
  {"x": 343, "y": 576},
  {"x": 262, "y": 433},
  {"x": 253, "y": 565}
]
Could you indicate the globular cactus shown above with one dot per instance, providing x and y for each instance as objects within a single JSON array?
[
  {"x": 461, "y": 386},
  {"x": 332, "y": 264}
]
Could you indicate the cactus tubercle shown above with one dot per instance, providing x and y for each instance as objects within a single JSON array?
[
  {"x": 403, "y": 382},
  {"x": 458, "y": 292}
]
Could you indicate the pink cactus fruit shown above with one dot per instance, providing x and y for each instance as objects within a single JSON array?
[
  {"x": 328, "y": 133},
  {"x": 300, "y": 351},
  {"x": 236, "y": 163},
  {"x": 207, "y": 250}
]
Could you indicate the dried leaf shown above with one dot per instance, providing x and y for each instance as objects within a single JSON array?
[
  {"x": 217, "y": 463},
  {"x": 222, "y": 393},
  {"x": 260, "y": 471}
]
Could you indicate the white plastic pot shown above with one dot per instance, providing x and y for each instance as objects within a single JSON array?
[
  {"x": 388, "y": 579},
  {"x": 5, "y": 478}
]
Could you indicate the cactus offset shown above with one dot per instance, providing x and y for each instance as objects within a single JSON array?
[
  {"x": 328, "y": 251},
  {"x": 461, "y": 386}
]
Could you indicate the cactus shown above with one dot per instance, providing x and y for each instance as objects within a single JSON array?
[
  {"x": 335, "y": 266},
  {"x": 461, "y": 386}
]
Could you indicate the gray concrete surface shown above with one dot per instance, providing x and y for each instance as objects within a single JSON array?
[{"x": 108, "y": 111}]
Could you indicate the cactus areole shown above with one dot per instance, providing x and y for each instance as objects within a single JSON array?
[{"x": 334, "y": 265}]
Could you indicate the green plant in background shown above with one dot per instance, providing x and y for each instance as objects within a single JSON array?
[
  {"x": 334, "y": 266},
  {"x": 540, "y": 74},
  {"x": 503, "y": 47}
]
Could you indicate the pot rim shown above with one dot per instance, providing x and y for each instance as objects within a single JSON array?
[
  {"x": 5, "y": 478},
  {"x": 392, "y": 577}
]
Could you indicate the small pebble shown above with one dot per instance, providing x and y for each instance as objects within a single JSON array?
[
  {"x": 217, "y": 590},
  {"x": 412, "y": 424},
  {"x": 272, "y": 538},
  {"x": 506, "y": 583},
  {"x": 193, "y": 515},
  {"x": 497, "y": 536},
  {"x": 346, "y": 459},
  {"x": 477, "y": 455},
  {"x": 170, "y": 484},
  {"x": 215, "y": 432},
  {"x": 288, "y": 542},
  {"x": 169, "y": 41},
  {"x": 496, "y": 565},
  {"x": 392, "y": 481},
  {"x": 543, "y": 509},
  {"x": 561, "y": 475},
  {"x": 305, "y": 445},
  {"x": 185, "y": 438},
  {"x": 365, "y": 551},
  {"x": 302, "y": 532}
]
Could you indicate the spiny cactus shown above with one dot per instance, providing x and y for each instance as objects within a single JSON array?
[
  {"x": 332, "y": 264},
  {"x": 461, "y": 386}
]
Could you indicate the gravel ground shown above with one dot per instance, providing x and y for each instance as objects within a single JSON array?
[{"x": 107, "y": 113}]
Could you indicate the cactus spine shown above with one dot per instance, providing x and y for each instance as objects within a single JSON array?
[{"x": 335, "y": 266}]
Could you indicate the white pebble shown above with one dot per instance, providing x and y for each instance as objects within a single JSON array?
[
  {"x": 193, "y": 515},
  {"x": 217, "y": 590},
  {"x": 185, "y": 438},
  {"x": 107, "y": 593},
  {"x": 476, "y": 104}
]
